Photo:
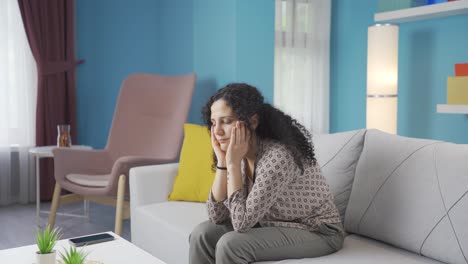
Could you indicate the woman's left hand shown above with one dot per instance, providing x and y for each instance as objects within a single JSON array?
[{"x": 238, "y": 145}]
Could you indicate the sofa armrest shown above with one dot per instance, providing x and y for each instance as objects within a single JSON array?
[
  {"x": 151, "y": 184},
  {"x": 123, "y": 165}
]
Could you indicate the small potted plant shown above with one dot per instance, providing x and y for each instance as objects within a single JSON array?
[
  {"x": 46, "y": 240},
  {"x": 73, "y": 256}
]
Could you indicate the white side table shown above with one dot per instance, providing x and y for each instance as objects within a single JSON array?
[{"x": 44, "y": 152}]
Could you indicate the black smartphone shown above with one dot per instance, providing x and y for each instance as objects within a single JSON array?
[{"x": 92, "y": 239}]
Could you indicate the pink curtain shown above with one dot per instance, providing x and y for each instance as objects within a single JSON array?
[{"x": 49, "y": 26}]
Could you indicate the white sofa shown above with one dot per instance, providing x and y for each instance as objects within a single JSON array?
[{"x": 403, "y": 200}]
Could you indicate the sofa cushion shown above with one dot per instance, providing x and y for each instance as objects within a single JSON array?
[
  {"x": 167, "y": 227},
  {"x": 412, "y": 193},
  {"x": 337, "y": 154},
  {"x": 359, "y": 250},
  {"x": 195, "y": 176}
]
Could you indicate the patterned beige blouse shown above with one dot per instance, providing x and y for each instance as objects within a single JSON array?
[{"x": 280, "y": 196}]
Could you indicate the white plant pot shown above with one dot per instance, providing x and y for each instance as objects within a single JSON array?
[{"x": 45, "y": 258}]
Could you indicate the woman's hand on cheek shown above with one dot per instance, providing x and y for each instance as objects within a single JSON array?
[
  {"x": 238, "y": 145},
  {"x": 220, "y": 155}
]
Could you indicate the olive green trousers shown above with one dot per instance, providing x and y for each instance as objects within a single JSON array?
[{"x": 211, "y": 243}]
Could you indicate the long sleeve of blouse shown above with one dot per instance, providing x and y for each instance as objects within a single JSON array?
[
  {"x": 217, "y": 211},
  {"x": 281, "y": 195},
  {"x": 272, "y": 175}
]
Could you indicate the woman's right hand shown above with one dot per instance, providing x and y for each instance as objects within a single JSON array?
[{"x": 220, "y": 155}]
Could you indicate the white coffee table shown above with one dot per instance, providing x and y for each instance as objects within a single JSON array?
[
  {"x": 46, "y": 152},
  {"x": 118, "y": 251}
]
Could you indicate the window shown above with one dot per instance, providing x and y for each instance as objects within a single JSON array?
[
  {"x": 18, "y": 84},
  {"x": 302, "y": 39}
]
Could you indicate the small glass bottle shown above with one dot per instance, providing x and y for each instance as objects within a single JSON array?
[{"x": 63, "y": 137}]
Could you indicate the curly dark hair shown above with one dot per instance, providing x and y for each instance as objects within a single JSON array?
[{"x": 246, "y": 101}]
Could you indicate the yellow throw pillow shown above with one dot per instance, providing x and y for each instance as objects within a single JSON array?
[{"x": 195, "y": 177}]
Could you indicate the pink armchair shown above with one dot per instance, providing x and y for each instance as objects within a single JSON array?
[{"x": 147, "y": 129}]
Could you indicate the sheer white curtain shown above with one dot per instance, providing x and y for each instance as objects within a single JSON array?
[
  {"x": 18, "y": 84},
  {"x": 302, "y": 61}
]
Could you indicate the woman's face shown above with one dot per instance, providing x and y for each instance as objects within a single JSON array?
[{"x": 223, "y": 119}]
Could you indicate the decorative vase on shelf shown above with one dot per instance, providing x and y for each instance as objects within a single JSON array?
[{"x": 63, "y": 137}]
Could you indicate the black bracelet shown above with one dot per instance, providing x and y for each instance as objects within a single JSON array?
[{"x": 221, "y": 168}]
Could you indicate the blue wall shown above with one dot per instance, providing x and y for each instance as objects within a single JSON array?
[
  {"x": 226, "y": 40},
  {"x": 214, "y": 27},
  {"x": 427, "y": 52},
  {"x": 115, "y": 38},
  {"x": 255, "y": 44},
  {"x": 233, "y": 41},
  {"x": 221, "y": 41},
  {"x": 175, "y": 37},
  {"x": 348, "y": 62}
]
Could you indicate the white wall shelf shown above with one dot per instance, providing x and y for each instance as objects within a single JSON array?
[
  {"x": 453, "y": 8},
  {"x": 452, "y": 109}
]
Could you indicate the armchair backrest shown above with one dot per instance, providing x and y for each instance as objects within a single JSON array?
[{"x": 149, "y": 116}]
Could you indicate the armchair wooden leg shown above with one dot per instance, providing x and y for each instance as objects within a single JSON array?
[
  {"x": 119, "y": 205},
  {"x": 55, "y": 204}
]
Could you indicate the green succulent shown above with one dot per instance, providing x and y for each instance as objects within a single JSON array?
[
  {"x": 47, "y": 238},
  {"x": 73, "y": 256}
]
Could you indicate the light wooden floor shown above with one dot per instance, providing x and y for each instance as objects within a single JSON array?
[{"x": 18, "y": 223}]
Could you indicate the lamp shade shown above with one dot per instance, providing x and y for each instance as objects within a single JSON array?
[{"x": 382, "y": 77}]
